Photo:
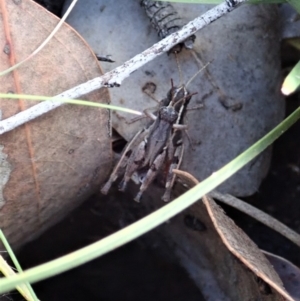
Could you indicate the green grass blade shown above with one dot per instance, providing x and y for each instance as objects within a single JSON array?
[
  {"x": 24, "y": 289},
  {"x": 70, "y": 101},
  {"x": 151, "y": 221},
  {"x": 292, "y": 81},
  {"x": 295, "y": 4},
  {"x": 294, "y": 42}
]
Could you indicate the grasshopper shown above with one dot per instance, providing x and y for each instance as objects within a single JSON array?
[{"x": 151, "y": 147}]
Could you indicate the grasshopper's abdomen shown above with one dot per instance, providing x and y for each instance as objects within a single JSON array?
[{"x": 160, "y": 134}]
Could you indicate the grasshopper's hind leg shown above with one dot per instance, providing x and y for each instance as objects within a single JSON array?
[
  {"x": 151, "y": 174},
  {"x": 134, "y": 162},
  {"x": 175, "y": 164},
  {"x": 121, "y": 165}
]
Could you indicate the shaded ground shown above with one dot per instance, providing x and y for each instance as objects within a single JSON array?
[{"x": 133, "y": 272}]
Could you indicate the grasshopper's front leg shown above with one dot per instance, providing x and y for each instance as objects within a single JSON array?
[{"x": 123, "y": 162}]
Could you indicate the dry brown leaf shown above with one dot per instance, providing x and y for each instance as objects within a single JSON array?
[
  {"x": 224, "y": 236},
  {"x": 242, "y": 206},
  {"x": 240, "y": 245},
  {"x": 50, "y": 165},
  {"x": 218, "y": 273}
]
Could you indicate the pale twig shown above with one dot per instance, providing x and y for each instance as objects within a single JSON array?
[{"x": 116, "y": 76}]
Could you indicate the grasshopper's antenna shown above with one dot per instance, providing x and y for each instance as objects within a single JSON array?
[
  {"x": 194, "y": 76},
  {"x": 184, "y": 98}
]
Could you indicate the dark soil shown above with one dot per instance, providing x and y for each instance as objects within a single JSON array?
[{"x": 133, "y": 272}]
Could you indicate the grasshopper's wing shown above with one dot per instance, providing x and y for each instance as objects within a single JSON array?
[{"x": 122, "y": 163}]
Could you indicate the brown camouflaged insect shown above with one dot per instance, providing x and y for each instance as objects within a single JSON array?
[{"x": 152, "y": 147}]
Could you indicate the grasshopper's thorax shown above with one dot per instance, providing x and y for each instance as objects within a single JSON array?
[
  {"x": 168, "y": 114},
  {"x": 179, "y": 98}
]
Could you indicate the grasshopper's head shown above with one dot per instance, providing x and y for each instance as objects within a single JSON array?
[{"x": 178, "y": 94}]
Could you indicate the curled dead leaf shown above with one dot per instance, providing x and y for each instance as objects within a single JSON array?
[{"x": 53, "y": 163}]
